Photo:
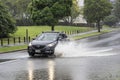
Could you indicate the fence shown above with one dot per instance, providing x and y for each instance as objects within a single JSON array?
[
  {"x": 14, "y": 41},
  {"x": 24, "y": 40}
]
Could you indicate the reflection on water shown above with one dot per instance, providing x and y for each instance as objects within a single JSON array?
[
  {"x": 30, "y": 70},
  {"x": 51, "y": 70},
  {"x": 39, "y": 74}
]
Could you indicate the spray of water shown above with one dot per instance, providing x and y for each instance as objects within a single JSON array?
[
  {"x": 73, "y": 49},
  {"x": 70, "y": 49}
]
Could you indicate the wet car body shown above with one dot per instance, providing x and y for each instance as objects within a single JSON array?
[{"x": 45, "y": 43}]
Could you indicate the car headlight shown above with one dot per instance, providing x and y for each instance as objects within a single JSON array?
[
  {"x": 30, "y": 44},
  {"x": 51, "y": 44}
]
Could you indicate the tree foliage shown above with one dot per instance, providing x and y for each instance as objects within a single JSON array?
[
  {"x": 22, "y": 16},
  {"x": 117, "y": 9},
  {"x": 18, "y": 9},
  {"x": 48, "y": 12},
  {"x": 7, "y": 23},
  {"x": 76, "y": 10},
  {"x": 96, "y": 10}
]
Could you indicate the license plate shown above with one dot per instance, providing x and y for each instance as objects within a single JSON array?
[{"x": 37, "y": 51}]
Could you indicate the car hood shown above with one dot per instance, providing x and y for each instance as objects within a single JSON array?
[{"x": 36, "y": 42}]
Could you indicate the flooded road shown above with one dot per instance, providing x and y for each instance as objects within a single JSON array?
[{"x": 95, "y": 58}]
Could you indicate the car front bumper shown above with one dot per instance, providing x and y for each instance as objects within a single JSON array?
[{"x": 45, "y": 50}]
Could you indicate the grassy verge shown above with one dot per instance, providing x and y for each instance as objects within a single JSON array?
[
  {"x": 90, "y": 34},
  {"x": 35, "y": 30},
  {"x": 12, "y": 48}
]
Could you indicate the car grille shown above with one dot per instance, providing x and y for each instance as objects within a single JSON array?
[{"x": 38, "y": 46}]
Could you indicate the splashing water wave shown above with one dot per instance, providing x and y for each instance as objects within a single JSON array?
[{"x": 73, "y": 49}]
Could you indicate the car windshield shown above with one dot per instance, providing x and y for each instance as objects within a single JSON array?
[{"x": 47, "y": 37}]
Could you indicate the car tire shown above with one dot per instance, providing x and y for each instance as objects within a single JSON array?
[{"x": 31, "y": 54}]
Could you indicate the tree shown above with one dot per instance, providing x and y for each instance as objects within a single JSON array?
[
  {"x": 11, "y": 6},
  {"x": 48, "y": 12},
  {"x": 22, "y": 16},
  {"x": 96, "y": 10},
  {"x": 18, "y": 9},
  {"x": 117, "y": 9},
  {"x": 75, "y": 11},
  {"x": 7, "y": 23}
]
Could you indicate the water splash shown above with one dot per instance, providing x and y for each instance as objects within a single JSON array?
[
  {"x": 70, "y": 49},
  {"x": 73, "y": 49}
]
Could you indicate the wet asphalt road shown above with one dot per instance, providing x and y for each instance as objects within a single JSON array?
[{"x": 97, "y": 58}]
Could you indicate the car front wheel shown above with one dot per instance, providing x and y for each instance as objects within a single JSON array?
[{"x": 31, "y": 54}]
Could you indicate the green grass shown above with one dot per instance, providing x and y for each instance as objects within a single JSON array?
[
  {"x": 35, "y": 30},
  {"x": 12, "y": 48},
  {"x": 90, "y": 34}
]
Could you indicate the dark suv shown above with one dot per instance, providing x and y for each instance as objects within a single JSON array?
[{"x": 45, "y": 43}]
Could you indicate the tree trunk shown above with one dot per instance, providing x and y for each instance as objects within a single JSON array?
[
  {"x": 98, "y": 26},
  {"x": 52, "y": 28},
  {"x": 71, "y": 21}
]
